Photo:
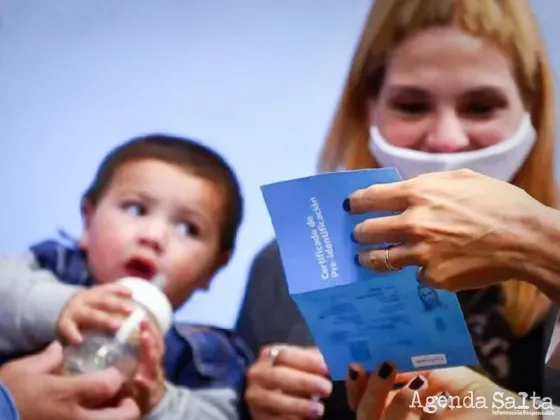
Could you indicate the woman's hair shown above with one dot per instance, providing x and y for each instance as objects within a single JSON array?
[{"x": 510, "y": 24}]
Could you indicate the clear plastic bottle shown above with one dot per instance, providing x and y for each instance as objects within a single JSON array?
[{"x": 100, "y": 350}]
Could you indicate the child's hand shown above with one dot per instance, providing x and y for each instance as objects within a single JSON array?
[
  {"x": 96, "y": 308},
  {"x": 149, "y": 381}
]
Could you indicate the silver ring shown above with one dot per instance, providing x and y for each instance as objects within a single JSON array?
[
  {"x": 273, "y": 354},
  {"x": 387, "y": 262},
  {"x": 420, "y": 275}
]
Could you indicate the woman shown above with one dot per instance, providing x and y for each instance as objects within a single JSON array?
[{"x": 431, "y": 81}]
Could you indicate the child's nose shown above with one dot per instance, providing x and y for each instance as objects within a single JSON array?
[
  {"x": 153, "y": 236},
  {"x": 152, "y": 243}
]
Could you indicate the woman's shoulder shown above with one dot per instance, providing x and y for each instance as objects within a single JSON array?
[
  {"x": 266, "y": 267},
  {"x": 268, "y": 314},
  {"x": 266, "y": 277},
  {"x": 268, "y": 254}
]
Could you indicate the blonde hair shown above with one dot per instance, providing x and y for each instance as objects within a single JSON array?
[{"x": 508, "y": 23}]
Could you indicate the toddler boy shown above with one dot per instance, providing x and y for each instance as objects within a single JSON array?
[{"x": 158, "y": 205}]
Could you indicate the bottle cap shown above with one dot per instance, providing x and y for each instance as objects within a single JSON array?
[{"x": 152, "y": 298}]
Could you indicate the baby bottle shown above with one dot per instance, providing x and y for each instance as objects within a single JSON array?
[{"x": 101, "y": 350}]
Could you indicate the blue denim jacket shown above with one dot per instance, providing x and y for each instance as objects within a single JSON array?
[
  {"x": 7, "y": 407},
  {"x": 195, "y": 357}
]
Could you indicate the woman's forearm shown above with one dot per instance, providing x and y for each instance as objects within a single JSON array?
[{"x": 540, "y": 254}]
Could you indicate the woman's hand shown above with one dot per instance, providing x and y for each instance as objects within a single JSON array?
[
  {"x": 287, "y": 382},
  {"x": 430, "y": 395},
  {"x": 40, "y": 392},
  {"x": 466, "y": 230},
  {"x": 373, "y": 398}
]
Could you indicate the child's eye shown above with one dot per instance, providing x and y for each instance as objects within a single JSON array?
[
  {"x": 135, "y": 209},
  {"x": 187, "y": 229}
]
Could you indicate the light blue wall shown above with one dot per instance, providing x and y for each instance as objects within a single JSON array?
[{"x": 256, "y": 79}]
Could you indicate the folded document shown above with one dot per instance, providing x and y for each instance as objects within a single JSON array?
[{"x": 355, "y": 314}]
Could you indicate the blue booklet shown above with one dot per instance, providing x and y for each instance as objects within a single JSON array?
[{"x": 355, "y": 314}]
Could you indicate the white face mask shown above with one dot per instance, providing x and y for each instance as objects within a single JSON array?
[{"x": 501, "y": 161}]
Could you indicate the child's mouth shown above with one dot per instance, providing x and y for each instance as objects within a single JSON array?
[{"x": 141, "y": 267}]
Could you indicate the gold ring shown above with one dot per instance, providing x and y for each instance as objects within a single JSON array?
[{"x": 387, "y": 262}]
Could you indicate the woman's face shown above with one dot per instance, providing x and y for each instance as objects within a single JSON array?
[{"x": 447, "y": 91}]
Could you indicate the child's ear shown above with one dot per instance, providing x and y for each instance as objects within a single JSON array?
[
  {"x": 220, "y": 262},
  {"x": 87, "y": 214}
]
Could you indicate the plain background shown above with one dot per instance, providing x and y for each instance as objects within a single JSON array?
[{"x": 257, "y": 80}]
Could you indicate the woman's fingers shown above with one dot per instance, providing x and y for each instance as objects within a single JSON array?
[
  {"x": 302, "y": 359},
  {"x": 398, "y": 196},
  {"x": 379, "y": 197},
  {"x": 439, "y": 410},
  {"x": 375, "y": 400},
  {"x": 372, "y": 404},
  {"x": 406, "y": 377},
  {"x": 292, "y": 381},
  {"x": 407, "y": 400},
  {"x": 392, "y": 258},
  {"x": 288, "y": 381},
  {"x": 380, "y": 230},
  {"x": 356, "y": 383},
  {"x": 277, "y": 404}
]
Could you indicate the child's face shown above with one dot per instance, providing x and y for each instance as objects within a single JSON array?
[{"x": 156, "y": 217}]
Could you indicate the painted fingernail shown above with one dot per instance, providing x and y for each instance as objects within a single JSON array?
[
  {"x": 385, "y": 370},
  {"x": 357, "y": 260},
  {"x": 316, "y": 410},
  {"x": 346, "y": 204},
  {"x": 416, "y": 383},
  {"x": 353, "y": 237},
  {"x": 443, "y": 394},
  {"x": 352, "y": 373}
]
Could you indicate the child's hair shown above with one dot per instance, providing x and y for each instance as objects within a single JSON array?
[{"x": 184, "y": 153}]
